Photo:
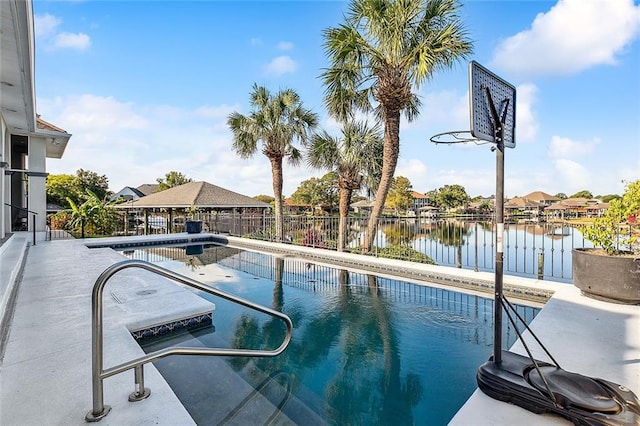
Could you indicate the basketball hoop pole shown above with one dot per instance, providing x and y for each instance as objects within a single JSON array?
[{"x": 498, "y": 131}]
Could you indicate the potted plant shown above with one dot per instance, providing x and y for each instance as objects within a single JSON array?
[
  {"x": 192, "y": 226},
  {"x": 611, "y": 270}
]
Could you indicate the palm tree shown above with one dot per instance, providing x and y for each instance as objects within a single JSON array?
[
  {"x": 384, "y": 50},
  {"x": 355, "y": 158},
  {"x": 277, "y": 121}
]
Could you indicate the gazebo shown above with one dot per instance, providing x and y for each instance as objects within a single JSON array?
[{"x": 199, "y": 200}]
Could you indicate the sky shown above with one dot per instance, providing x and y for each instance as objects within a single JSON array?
[{"x": 145, "y": 88}]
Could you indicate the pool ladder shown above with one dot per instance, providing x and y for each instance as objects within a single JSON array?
[{"x": 100, "y": 410}]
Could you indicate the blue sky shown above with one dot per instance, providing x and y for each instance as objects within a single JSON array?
[{"x": 145, "y": 87}]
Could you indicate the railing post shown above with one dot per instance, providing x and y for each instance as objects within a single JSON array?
[
  {"x": 99, "y": 409},
  {"x": 34, "y": 229},
  {"x": 540, "y": 265},
  {"x": 475, "y": 233},
  {"x": 141, "y": 392}
]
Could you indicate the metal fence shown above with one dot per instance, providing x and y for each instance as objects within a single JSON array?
[
  {"x": 534, "y": 250},
  {"x": 537, "y": 250}
]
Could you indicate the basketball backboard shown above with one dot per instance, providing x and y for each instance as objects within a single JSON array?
[{"x": 503, "y": 95}]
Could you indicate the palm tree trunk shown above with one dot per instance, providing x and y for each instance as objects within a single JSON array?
[
  {"x": 345, "y": 196},
  {"x": 390, "y": 154},
  {"x": 276, "y": 177}
]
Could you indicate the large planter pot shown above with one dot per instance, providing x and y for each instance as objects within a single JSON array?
[
  {"x": 611, "y": 278},
  {"x": 193, "y": 226}
]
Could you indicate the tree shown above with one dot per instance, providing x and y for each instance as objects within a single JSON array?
[
  {"x": 354, "y": 158},
  {"x": 432, "y": 197},
  {"x": 400, "y": 197},
  {"x": 94, "y": 215},
  {"x": 264, "y": 198},
  {"x": 60, "y": 188},
  {"x": 607, "y": 198},
  {"x": 384, "y": 50},
  {"x": 452, "y": 196},
  {"x": 172, "y": 179},
  {"x": 86, "y": 180},
  {"x": 317, "y": 192},
  {"x": 277, "y": 121},
  {"x": 583, "y": 194},
  {"x": 561, "y": 195}
]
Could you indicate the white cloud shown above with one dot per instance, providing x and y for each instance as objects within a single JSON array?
[
  {"x": 526, "y": 121},
  {"x": 134, "y": 144},
  {"x": 631, "y": 172},
  {"x": 46, "y": 25},
  {"x": 446, "y": 110},
  {"x": 47, "y": 30},
  {"x": 285, "y": 45},
  {"x": 414, "y": 170},
  {"x": 574, "y": 176},
  {"x": 78, "y": 41},
  {"x": 281, "y": 65},
  {"x": 218, "y": 111},
  {"x": 90, "y": 113},
  {"x": 476, "y": 181},
  {"x": 574, "y": 35},
  {"x": 560, "y": 147}
]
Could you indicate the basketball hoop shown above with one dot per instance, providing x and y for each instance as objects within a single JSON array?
[{"x": 458, "y": 136}]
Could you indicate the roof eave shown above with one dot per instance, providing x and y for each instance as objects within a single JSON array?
[{"x": 17, "y": 86}]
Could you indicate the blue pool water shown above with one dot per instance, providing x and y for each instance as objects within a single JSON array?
[{"x": 365, "y": 350}]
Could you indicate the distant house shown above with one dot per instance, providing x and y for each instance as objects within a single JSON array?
[
  {"x": 148, "y": 188},
  {"x": 541, "y": 197},
  {"x": 428, "y": 211},
  {"x": 362, "y": 206},
  {"x": 419, "y": 200},
  {"x": 524, "y": 205},
  {"x": 127, "y": 194},
  {"x": 576, "y": 207},
  {"x": 482, "y": 205},
  {"x": 293, "y": 208}
]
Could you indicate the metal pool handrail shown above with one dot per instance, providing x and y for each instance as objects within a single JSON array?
[{"x": 99, "y": 374}]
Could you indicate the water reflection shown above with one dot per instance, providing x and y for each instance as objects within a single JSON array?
[
  {"x": 470, "y": 244},
  {"x": 365, "y": 349}
]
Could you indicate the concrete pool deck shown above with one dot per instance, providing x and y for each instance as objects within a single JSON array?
[{"x": 45, "y": 372}]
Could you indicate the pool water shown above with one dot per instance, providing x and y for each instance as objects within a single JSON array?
[{"x": 365, "y": 349}]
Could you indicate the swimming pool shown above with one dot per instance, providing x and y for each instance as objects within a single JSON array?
[{"x": 366, "y": 349}]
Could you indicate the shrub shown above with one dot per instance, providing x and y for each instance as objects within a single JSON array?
[{"x": 606, "y": 230}]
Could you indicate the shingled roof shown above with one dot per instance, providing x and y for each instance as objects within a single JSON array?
[{"x": 198, "y": 194}]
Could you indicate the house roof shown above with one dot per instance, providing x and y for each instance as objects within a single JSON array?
[
  {"x": 148, "y": 188},
  {"x": 540, "y": 196},
  {"x": 580, "y": 203},
  {"x": 290, "y": 203},
  {"x": 519, "y": 202},
  {"x": 126, "y": 191},
  {"x": 362, "y": 203},
  {"x": 415, "y": 194},
  {"x": 199, "y": 194}
]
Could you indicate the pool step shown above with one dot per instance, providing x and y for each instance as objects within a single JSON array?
[{"x": 214, "y": 391}]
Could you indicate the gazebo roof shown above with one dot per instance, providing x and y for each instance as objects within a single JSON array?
[
  {"x": 362, "y": 204},
  {"x": 197, "y": 194}
]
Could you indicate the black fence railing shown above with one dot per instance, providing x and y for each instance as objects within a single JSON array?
[
  {"x": 22, "y": 218},
  {"x": 534, "y": 250}
]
